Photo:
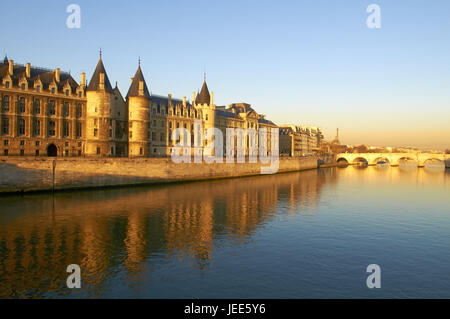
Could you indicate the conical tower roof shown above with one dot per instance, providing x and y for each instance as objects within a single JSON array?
[
  {"x": 204, "y": 97},
  {"x": 94, "y": 84},
  {"x": 134, "y": 88}
]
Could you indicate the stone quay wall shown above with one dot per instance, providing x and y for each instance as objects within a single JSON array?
[{"x": 28, "y": 174}]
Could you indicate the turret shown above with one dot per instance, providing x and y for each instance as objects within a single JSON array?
[
  {"x": 138, "y": 99},
  {"x": 99, "y": 94}
]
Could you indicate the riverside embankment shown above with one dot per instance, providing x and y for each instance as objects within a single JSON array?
[{"x": 29, "y": 174}]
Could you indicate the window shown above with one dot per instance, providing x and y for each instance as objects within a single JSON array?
[
  {"x": 98, "y": 150},
  {"x": 112, "y": 150},
  {"x": 37, "y": 107},
  {"x": 22, "y": 152},
  {"x": 110, "y": 132},
  {"x": 5, "y": 103},
  {"x": 67, "y": 94},
  {"x": 37, "y": 153},
  {"x": 95, "y": 122},
  {"x": 7, "y": 84},
  {"x": 5, "y": 142},
  {"x": 21, "y": 126},
  {"x": 131, "y": 134},
  {"x": 158, "y": 108},
  {"x": 153, "y": 136},
  {"x": 22, "y": 105},
  {"x": 178, "y": 125},
  {"x": 95, "y": 132},
  {"x": 22, "y": 143},
  {"x": 66, "y": 109},
  {"x": 6, "y": 126},
  {"x": 162, "y": 137},
  {"x": 51, "y": 128},
  {"x": 38, "y": 89},
  {"x": 22, "y": 86},
  {"x": 140, "y": 151},
  {"x": 53, "y": 90},
  {"x": 66, "y": 153},
  {"x": 51, "y": 107},
  {"x": 170, "y": 124},
  {"x": 206, "y": 117},
  {"x": 79, "y": 153},
  {"x": 79, "y": 110},
  {"x": 37, "y": 143},
  {"x": 37, "y": 129},
  {"x": 66, "y": 128},
  {"x": 5, "y": 152},
  {"x": 78, "y": 131}
]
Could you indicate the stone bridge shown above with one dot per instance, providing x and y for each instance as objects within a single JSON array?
[{"x": 393, "y": 158}]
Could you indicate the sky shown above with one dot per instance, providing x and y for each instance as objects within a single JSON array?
[{"x": 298, "y": 62}]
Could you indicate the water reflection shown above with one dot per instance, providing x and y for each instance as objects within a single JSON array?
[
  {"x": 110, "y": 232},
  {"x": 122, "y": 237}
]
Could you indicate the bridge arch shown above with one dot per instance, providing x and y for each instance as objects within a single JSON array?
[
  {"x": 381, "y": 159},
  {"x": 360, "y": 159}
]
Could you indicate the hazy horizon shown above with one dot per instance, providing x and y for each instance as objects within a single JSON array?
[{"x": 298, "y": 62}]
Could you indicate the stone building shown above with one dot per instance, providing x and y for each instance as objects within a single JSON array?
[
  {"x": 43, "y": 111},
  {"x": 47, "y": 113},
  {"x": 300, "y": 140}
]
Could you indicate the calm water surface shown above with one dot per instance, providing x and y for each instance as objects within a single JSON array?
[{"x": 298, "y": 235}]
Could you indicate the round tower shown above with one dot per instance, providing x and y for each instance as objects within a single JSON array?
[
  {"x": 205, "y": 102},
  {"x": 98, "y": 113},
  {"x": 138, "y": 100}
]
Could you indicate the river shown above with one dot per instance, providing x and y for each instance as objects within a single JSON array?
[{"x": 307, "y": 234}]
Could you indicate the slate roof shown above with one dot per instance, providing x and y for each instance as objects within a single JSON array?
[
  {"x": 47, "y": 76},
  {"x": 94, "y": 84},
  {"x": 134, "y": 88},
  {"x": 204, "y": 97}
]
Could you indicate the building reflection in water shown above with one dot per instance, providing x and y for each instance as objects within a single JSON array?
[{"x": 110, "y": 233}]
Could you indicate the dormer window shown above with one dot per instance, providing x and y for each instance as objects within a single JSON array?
[
  {"x": 7, "y": 84},
  {"x": 22, "y": 86},
  {"x": 79, "y": 93},
  {"x": 53, "y": 90},
  {"x": 38, "y": 88},
  {"x": 67, "y": 92}
]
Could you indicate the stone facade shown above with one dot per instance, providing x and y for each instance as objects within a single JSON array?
[
  {"x": 47, "y": 113},
  {"x": 300, "y": 140}
]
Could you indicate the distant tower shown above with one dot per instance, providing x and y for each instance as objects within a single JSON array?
[
  {"x": 138, "y": 100},
  {"x": 205, "y": 102},
  {"x": 99, "y": 94},
  {"x": 336, "y": 139}
]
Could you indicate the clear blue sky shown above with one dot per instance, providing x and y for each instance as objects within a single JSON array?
[{"x": 302, "y": 62}]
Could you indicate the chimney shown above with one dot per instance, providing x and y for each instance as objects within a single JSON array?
[
  {"x": 57, "y": 75},
  {"x": 184, "y": 101},
  {"x": 211, "y": 101},
  {"x": 141, "y": 87},
  {"x": 28, "y": 70},
  {"x": 83, "y": 79},
  {"x": 11, "y": 67},
  {"x": 102, "y": 81},
  {"x": 193, "y": 98}
]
